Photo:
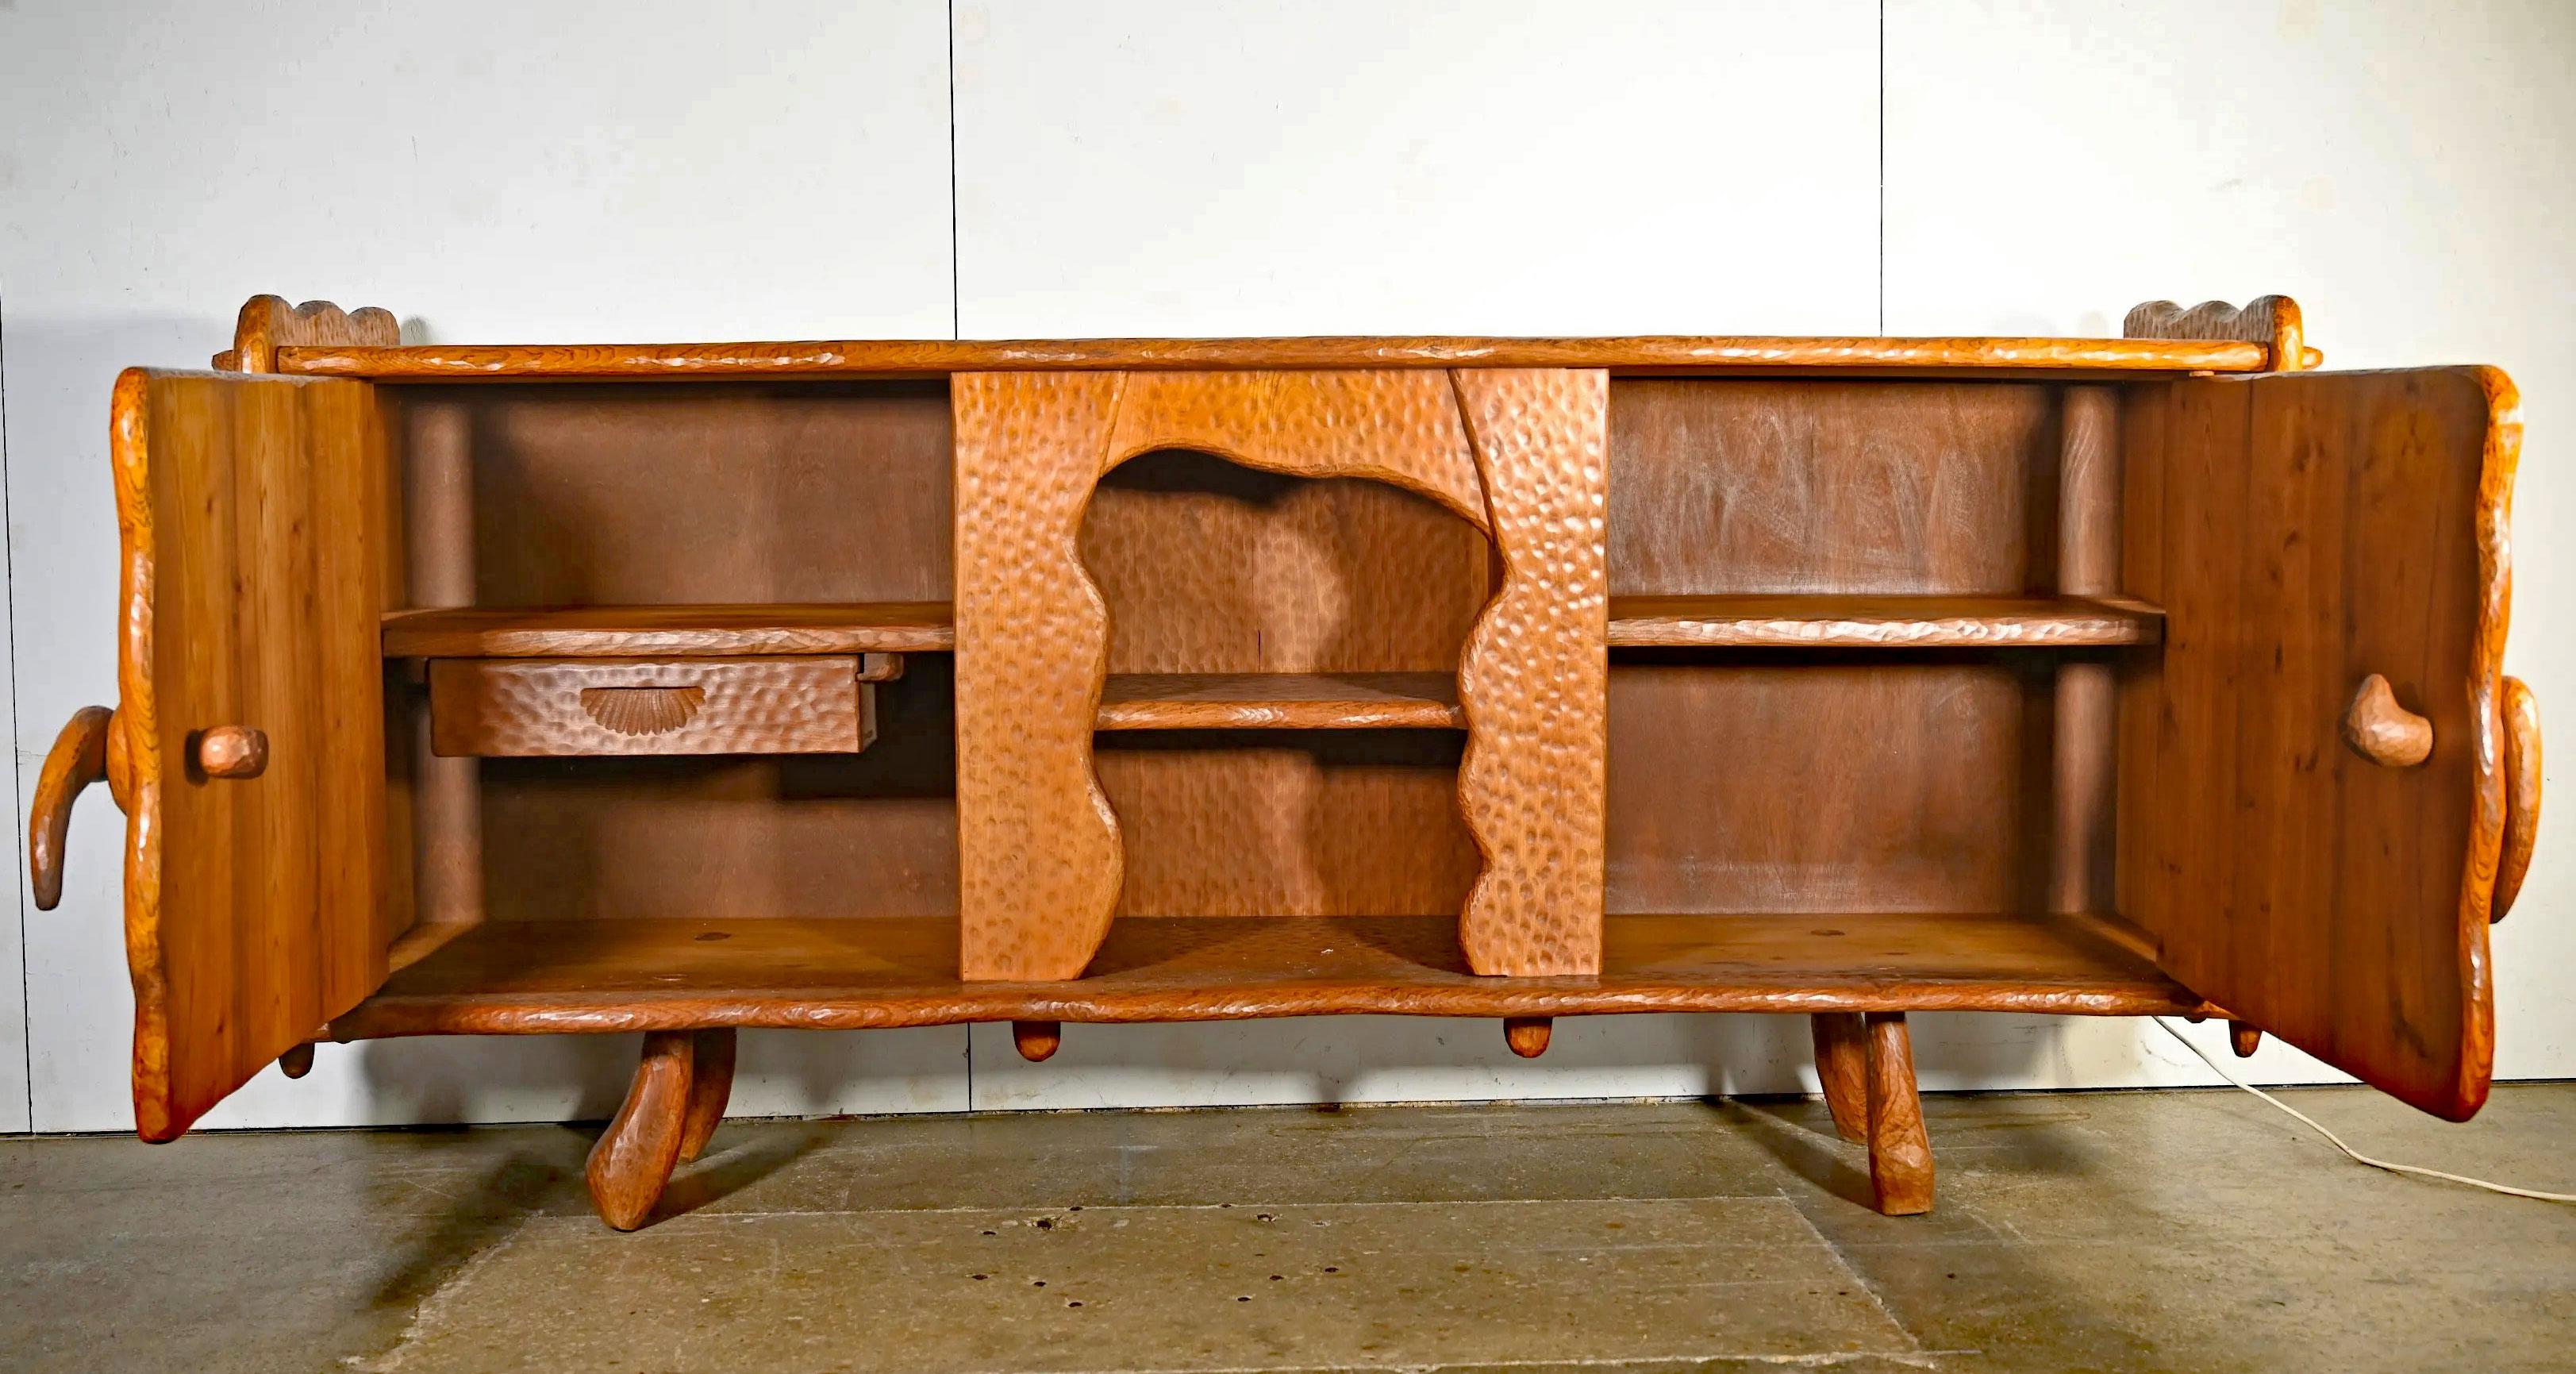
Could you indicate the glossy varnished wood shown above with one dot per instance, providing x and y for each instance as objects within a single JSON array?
[
  {"x": 551, "y": 976},
  {"x": 934, "y": 357},
  {"x": 1280, "y": 701},
  {"x": 1889, "y": 622},
  {"x": 711, "y": 1060},
  {"x": 77, "y": 759},
  {"x": 254, "y": 520},
  {"x": 669, "y": 631},
  {"x": 2522, "y": 792},
  {"x": 2302, "y": 533}
]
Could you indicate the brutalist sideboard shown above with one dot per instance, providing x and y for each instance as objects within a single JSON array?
[{"x": 473, "y": 690}]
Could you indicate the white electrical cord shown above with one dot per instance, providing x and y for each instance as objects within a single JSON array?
[{"x": 2338, "y": 1140}]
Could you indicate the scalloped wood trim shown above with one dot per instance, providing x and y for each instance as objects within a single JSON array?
[
  {"x": 268, "y": 323},
  {"x": 2273, "y": 321}
]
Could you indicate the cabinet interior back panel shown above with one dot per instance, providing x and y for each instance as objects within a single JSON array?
[
  {"x": 1722, "y": 486},
  {"x": 1845, "y": 784},
  {"x": 1210, "y": 567},
  {"x": 558, "y": 494},
  {"x": 1793, "y": 781}
]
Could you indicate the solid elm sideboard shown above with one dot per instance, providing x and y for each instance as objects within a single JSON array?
[{"x": 676, "y": 689}]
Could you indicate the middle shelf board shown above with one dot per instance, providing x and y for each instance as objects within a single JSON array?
[
  {"x": 1280, "y": 701},
  {"x": 534, "y": 977},
  {"x": 1881, "y": 622},
  {"x": 1811, "y": 621}
]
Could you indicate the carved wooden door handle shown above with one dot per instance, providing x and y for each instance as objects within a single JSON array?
[
  {"x": 90, "y": 747},
  {"x": 2384, "y": 732},
  {"x": 233, "y": 751},
  {"x": 2521, "y": 794}
]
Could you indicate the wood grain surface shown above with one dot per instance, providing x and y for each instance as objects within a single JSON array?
[
  {"x": 1207, "y": 566},
  {"x": 600, "y": 976},
  {"x": 669, "y": 631},
  {"x": 1900, "y": 1149},
  {"x": 1842, "y": 1070},
  {"x": 566, "y": 708},
  {"x": 632, "y": 1160},
  {"x": 1038, "y": 849},
  {"x": 1534, "y": 676},
  {"x": 267, "y": 324},
  {"x": 2338, "y": 904},
  {"x": 1885, "y": 622},
  {"x": 1280, "y": 701},
  {"x": 2521, "y": 793},
  {"x": 711, "y": 1060},
  {"x": 254, "y": 521},
  {"x": 936, "y": 357},
  {"x": 2273, "y": 321},
  {"x": 1401, "y": 428},
  {"x": 77, "y": 759}
]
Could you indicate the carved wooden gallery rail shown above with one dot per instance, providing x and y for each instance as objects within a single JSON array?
[{"x": 675, "y": 689}]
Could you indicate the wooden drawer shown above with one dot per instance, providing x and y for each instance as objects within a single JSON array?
[{"x": 556, "y": 707}]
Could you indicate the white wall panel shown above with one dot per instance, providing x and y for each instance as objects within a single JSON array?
[
  {"x": 1356, "y": 166},
  {"x": 488, "y": 171}
]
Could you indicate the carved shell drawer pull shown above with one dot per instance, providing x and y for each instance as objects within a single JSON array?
[{"x": 634, "y": 711}]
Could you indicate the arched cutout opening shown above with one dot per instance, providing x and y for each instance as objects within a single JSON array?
[{"x": 1210, "y": 567}]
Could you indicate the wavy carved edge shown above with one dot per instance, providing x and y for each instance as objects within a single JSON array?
[
  {"x": 2522, "y": 764},
  {"x": 2500, "y": 459},
  {"x": 2273, "y": 321},
  {"x": 138, "y": 724},
  {"x": 267, "y": 323},
  {"x": 1534, "y": 675},
  {"x": 1040, "y": 860}
]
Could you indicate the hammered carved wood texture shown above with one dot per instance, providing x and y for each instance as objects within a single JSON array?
[
  {"x": 1039, "y": 860},
  {"x": 1535, "y": 675},
  {"x": 1532, "y": 678},
  {"x": 569, "y": 708},
  {"x": 268, "y": 323},
  {"x": 1401, "y": 428}
]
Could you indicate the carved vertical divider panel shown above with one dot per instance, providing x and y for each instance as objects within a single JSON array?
[
  {"x": 1518, "y": 454},
  {"x": 1037, "y": 846},
  {"x": 1536, "y": 671}
]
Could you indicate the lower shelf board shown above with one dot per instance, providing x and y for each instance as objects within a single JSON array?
[{"x": 630, "y": 975}]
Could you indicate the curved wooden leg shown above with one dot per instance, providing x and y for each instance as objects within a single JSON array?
[
  {"x": 710, "y": 1084},
  {"x": 1842, "y": 1068},
  {"x": 1900, "y": 1150},
  {"x": 634, "y": 1158}
]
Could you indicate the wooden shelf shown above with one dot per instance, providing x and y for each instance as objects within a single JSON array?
[
  {"x": 629, "y": 975},
  {"x": 1280, "y": 701},
  {"x": 676, "y": 631},
  {"x": 1880, "y": 622}
]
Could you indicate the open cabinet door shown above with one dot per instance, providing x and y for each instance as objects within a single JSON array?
[
  {"x": 2305, "y": 532},
  {"x": 253, "y": 517}
]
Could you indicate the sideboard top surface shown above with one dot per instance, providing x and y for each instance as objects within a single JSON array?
[{"x": 1666, "y": 354}]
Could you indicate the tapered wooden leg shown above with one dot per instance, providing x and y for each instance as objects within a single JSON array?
[
  {"x": 634, "y": 1159},
  {"x": 1900, "y": 1150},
  {"x": 710, "y": 1083},
  {"x": 1842, "y": 1067}
]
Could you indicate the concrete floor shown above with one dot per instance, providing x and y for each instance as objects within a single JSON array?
[{"x": 2131, "y": 1231}]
